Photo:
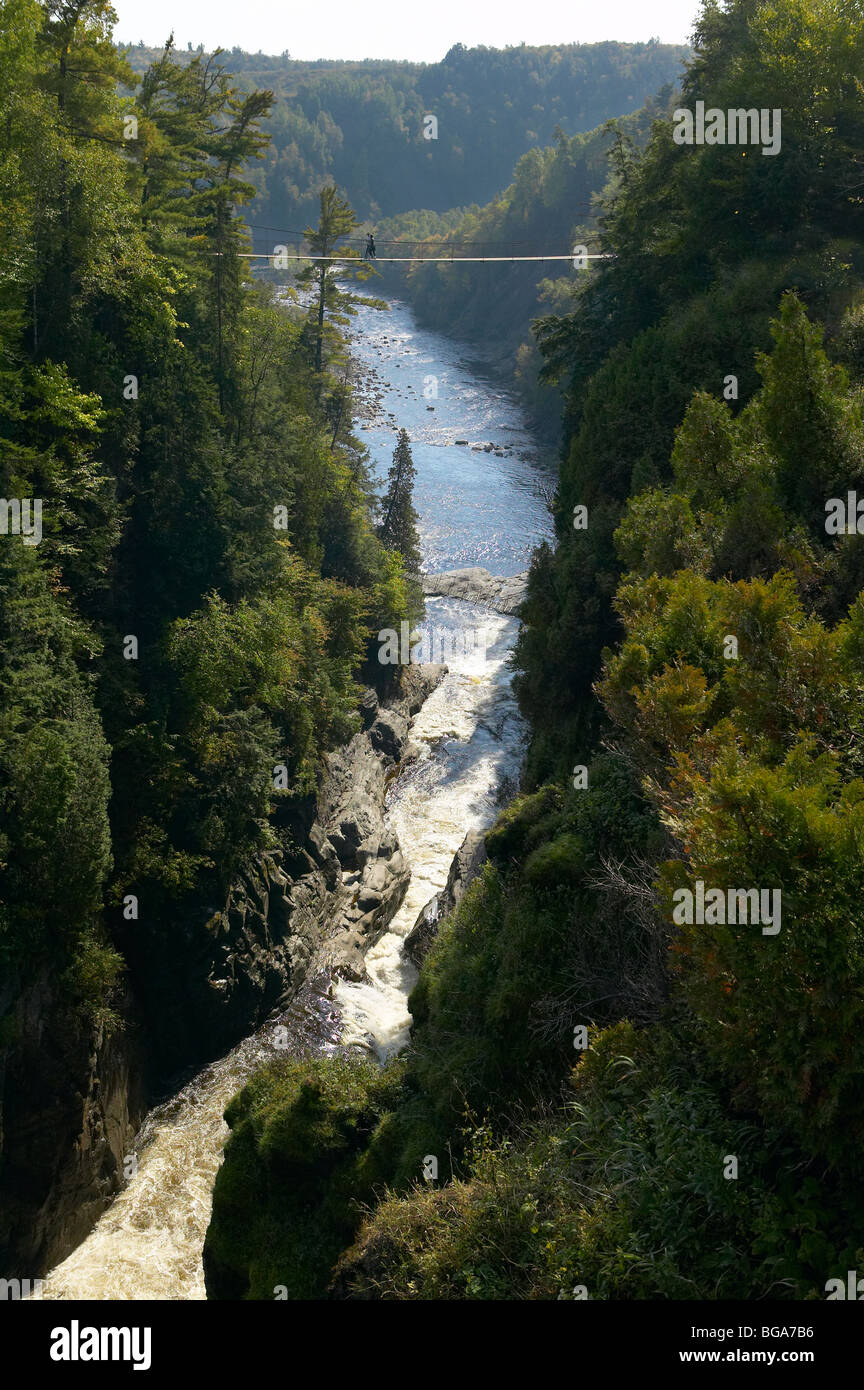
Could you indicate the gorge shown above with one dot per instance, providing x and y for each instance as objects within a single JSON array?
[{"x": 461, "y": 754}]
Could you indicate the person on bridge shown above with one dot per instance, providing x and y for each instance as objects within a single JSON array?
[{"x": 370, "y": 253}]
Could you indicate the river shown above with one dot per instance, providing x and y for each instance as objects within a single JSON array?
[{"x": 476, "y": 507}]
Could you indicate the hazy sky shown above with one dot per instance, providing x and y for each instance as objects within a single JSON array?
[{"x": 418, "y": 29}]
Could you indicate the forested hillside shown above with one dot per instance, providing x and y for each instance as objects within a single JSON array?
[
  {"x": 691, "y": 664},
  {"x": 189, "y": 570},
  {"x": 551, "y": 207},
  {"x": 361, "y": 125}
]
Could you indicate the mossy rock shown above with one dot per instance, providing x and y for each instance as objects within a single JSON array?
[{"x": 307, "y": 1149}]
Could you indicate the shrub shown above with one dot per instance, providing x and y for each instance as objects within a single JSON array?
[{"x": 306, "y": 1147}]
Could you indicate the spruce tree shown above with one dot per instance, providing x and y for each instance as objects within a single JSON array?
[{"x": 398, "y": 529}]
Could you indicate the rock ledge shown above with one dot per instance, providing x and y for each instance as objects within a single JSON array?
[{"x": 501, "y": 593}]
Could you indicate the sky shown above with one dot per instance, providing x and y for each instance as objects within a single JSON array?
[{"x": 420, "y": 30}]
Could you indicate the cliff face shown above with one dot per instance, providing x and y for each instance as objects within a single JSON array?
[
  {"x": 71, "y": 1101},
  {"x": 320, "y": 900}
]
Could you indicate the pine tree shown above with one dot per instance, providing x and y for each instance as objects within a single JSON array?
[
  {"x": 337, "y": 220},
  {"x": 398, "y": 529}
]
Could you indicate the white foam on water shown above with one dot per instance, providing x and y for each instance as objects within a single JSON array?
[{"x": 470, "y": 737}]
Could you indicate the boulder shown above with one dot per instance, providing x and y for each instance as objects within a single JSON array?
[{"x": 501, "y": 593}]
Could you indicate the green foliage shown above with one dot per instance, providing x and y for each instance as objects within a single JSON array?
[
  {"x": 336, "y": 221},
  {"x": 524, "y": 958},
  {"x": 551, "y": 205},
  {"x": 537, "y": 945},
  {"x": 705, "y": 240},
  {"x": 223, "y": 515},
  {"x": 54, "y": 839},
  {"x": 201, "y": 491},
  {"x": 521, "y": 825},
  {"x": 620, "y": 1194},
  {"x": 304, "y": 1151},
  {"x": 781, "y": 1013},
  {"x": 752, "y": 761},
  {"x": 559, "y": 861},
  {"x": 359, "y": 125},
  {"x": 91, "y": 983},
  {"x": 806, "y": 411},
  {"x": 263, "y": 683}
]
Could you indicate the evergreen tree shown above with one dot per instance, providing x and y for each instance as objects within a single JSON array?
[
  {"x": 336, "y": 221},
  {"x": 398, "y": 529}
]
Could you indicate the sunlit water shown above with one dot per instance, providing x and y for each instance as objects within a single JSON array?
[{"x": 475, "y": 509}]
